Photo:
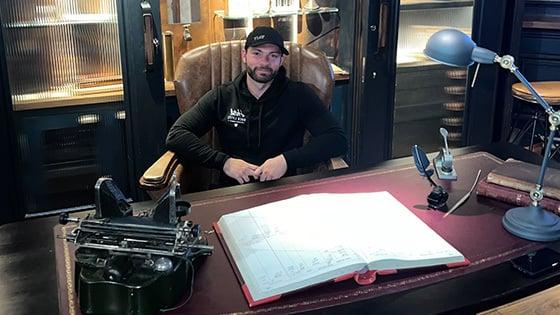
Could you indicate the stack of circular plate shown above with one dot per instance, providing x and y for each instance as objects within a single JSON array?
[
  {"x": 455, "y": 90},
  {"x": 454, "y": 106},
  {"x": 456, "y": 74},
  {"x": 452, "y": 121}
]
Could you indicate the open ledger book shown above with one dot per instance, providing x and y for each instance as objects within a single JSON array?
[{"x": 305, "y": 240}]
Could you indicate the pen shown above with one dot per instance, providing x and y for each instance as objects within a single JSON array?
[{"x": 465, "y": 197}]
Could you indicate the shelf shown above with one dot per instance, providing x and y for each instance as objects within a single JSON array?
[
  {"x": 62, "y": 101},
  {"x": 221, "y": 13},
  {"x": 109, "y": 94},
  {"x": 546, "y": 24},
  {"x": 434, "y": 4},
  {"x": 413, "y": 60},
  {"x": 68, "y": 19}
]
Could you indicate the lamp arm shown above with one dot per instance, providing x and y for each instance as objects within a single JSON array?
[
  {"x": 547, "y": 108},
  {"x": 537, "y": 193},
  {"x": 507, "y": 63},
  {"x": 554, "y": 120}
]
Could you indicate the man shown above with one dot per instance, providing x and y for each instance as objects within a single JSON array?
[{"x": 260, "y": 120}]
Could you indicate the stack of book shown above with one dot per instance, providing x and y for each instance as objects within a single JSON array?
[{"x": 512, "y": 181}]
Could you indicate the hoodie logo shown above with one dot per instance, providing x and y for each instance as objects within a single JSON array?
[{"x": 236, "y": 117}]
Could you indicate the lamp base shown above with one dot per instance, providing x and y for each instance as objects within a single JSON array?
[{"x": 532, "y": 223}]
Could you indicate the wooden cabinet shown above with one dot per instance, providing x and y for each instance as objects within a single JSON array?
[
  {"x": 62, "y": 153},
  {"x": 72, "y": 109},
  {"x": 427, "y": 97},
  {"x": 539, "y": 56},
  {"x": 539, "y": 60}
]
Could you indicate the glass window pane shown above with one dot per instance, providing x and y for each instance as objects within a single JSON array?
[
  {"x": 428, "y": 95},
  {"x": 60, "y": 50}
]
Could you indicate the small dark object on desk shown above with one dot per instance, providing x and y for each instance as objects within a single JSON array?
[
  {"x": 537, "y": 263},
  {"x": 437, "y": 199}
]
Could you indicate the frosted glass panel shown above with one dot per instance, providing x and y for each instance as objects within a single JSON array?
[
  {"x": 59, "y": 49},
  {"x": 428, "y": 95},
  {"x": 416, "y": 26}
]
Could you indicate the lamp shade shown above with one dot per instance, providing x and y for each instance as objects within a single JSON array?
[{"x": 451, "y": 47}]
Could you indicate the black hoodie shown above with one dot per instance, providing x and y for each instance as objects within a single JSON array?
[{"x": 256, "y": 130}]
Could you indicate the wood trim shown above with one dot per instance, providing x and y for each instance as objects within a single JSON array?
[
  {"x": 88, "y": 99},
  {"x": 108, "y": 97},
  {"x": 552, "y": 24},
  {"x": 208, "y": 30},
  {"x": 543, "y": 302}
]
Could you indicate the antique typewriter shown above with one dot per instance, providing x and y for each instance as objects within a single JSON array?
[{"x": 135, "y": 264}]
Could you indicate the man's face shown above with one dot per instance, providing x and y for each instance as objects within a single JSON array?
[{"x": 263, "y": 62}]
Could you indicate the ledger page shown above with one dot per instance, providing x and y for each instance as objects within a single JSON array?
[
  {"x": 287, "y": 245},
  {"x": 390, "y": 236}
]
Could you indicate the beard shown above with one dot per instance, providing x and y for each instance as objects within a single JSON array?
[{"x": 261, "y": 78}]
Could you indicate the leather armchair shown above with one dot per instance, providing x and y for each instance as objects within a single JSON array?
[{"x": 206, "y": 67}]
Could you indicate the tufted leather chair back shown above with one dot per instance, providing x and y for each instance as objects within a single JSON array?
[{"x": 204, "y": 68}]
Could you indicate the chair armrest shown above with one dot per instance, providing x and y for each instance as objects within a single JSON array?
[
  {"x": 336, "y": 163},
  {"x": 329, "y": 165},
  {"x": 159, "y": 174}
]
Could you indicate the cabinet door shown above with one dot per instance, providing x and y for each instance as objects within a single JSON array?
[
  {"x": 63, "y": 59},
  {"x": 374, "y": 82},
  {"x": 144, "y": 93},
  {"x": 488, "y": 103},
  {"x": 429, "y": 95},
  {"x": 63, "y": 154}
]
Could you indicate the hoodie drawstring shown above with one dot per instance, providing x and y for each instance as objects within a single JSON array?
[
  {"x": 248, "y": 133},
  {"x": 260, "y": 125}
]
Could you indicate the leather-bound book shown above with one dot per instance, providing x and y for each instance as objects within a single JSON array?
[
  {"x": 285, "y": 246},
  {"x": 523, "y": 176},
  {"x": 514, "y": 196}
]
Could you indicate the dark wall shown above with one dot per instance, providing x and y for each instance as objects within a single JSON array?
[{"x": 8, "y": 190}]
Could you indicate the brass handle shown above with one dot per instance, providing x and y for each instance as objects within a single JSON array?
[
  {"x": 168, "y": 60},
  {"x": 150, "y": 39},
  {"x": 383, "y": 19},
  {"x": 88, "y": 119},
  {"x": 120, "y": 115},
  {"x": 187, "y": 36}
]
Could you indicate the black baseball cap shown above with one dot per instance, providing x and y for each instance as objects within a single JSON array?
[{"x": 265, "y": 35}]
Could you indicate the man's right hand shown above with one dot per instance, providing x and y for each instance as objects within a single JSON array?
[{"x": 239, "y": 170}]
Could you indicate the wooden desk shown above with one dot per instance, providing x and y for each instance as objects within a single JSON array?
[
  {"x": 544, "y": 302},
  {"x": 29, "y": 276}
]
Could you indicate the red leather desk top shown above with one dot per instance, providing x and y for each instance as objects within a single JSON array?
[{"x": 474, "y": 229}]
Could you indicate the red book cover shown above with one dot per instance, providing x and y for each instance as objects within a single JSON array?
[
  {"x": 523, "y": 176},
  {"x": 514, "y": 196}
]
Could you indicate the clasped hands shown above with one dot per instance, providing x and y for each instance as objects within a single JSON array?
[{"x": 241, "y": 171}]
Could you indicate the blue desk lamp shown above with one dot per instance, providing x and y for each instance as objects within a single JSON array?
[{"x": 455, "y": 48}]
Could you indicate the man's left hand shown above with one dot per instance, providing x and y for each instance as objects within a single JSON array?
[{"x": 272, "y": 169}]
